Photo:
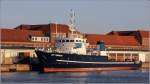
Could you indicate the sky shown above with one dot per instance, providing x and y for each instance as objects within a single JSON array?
[{"x": 92, "y": 16}]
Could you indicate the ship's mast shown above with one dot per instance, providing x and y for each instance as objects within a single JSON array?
[{"x": 72, "y": 21}]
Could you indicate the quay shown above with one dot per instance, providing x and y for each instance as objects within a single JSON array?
[
  {"x": 28, "y": 68},
  {"x": 145, "y": 65},
  {"x": 15, "y": 67}
]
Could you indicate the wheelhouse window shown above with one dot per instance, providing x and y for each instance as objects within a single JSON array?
[
  {"x": 67, "y": 40},
  {"x": 59, "y": 40},
  {"x": 33, "y": 38},
  {"x": 71, "y": 40},
  {"x": 63, "y": 40}
]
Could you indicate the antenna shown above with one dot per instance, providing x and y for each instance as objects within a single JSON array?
[{"x": 72, "y": 21}]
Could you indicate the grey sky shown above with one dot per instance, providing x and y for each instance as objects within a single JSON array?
[{"x": 92, "y": 16}]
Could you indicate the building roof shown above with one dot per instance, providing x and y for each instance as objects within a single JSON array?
[
  {"x": 60, "y": 28},
  {"x": 49, "y": 28},
  {"x": 32, "y": 27},
  {"x": 112, "y": 39},
  {"x": 13, "y": 35},
  {"x": 142, "y": 33}
]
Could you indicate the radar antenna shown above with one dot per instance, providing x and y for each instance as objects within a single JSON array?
[{"x": 72, "y": 21}]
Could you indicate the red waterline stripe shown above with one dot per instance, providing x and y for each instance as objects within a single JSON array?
[{"x": 85, "y": 69}]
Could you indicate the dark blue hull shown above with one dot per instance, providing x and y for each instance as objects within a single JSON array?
[{"x": 68, "y": 61}]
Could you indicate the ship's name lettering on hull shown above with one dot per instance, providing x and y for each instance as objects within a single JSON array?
[{"x": 57, "y": 55}]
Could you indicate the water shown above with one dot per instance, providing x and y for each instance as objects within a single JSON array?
[{"x": 125, "y": 76}]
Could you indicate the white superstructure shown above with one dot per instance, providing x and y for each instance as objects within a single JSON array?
[{"x": 71, "y": 45}]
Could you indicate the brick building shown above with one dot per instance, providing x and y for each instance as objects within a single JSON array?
[
  {"x": 21, "y": 42},
  {"x": 141, "y": 36},
  {"x": 26, "y": 38},
  {"x": 51, "y": 30},
  {"x": 120, "y": 45}
]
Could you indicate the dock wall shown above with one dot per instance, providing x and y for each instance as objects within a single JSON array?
[
  {"x": 14, "y": 67},
  {"x": 27, "y": 68},
  {"x": 145, "y": 65}
]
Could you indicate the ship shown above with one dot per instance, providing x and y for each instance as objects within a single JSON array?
[
  {"x": 71, "y": 54},
  {"x": 60, "y": 62}
]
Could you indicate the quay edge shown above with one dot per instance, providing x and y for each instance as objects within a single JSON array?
[
  {"x": 15, "y": 68},
  {"x": 28, "y": 68},
  {"x": 145, "y": 65}
]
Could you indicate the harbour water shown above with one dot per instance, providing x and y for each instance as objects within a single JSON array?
[{"x": 123, "y": 76}]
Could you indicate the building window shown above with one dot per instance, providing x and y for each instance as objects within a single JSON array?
[
  {"x": 119, "y": 54},
  {"x": 135, "y": 55},
  {"x": 47, "y": 39},
  {"x": 34, "y": 56},
  {"x": 41, "y": 39},
  {"x": 35, "y": 38},
  {"x": 127, "y": 54},
  {"x": 112, "y": 54}
]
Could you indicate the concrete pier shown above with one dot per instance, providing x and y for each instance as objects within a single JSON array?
[
  {"x": 145, "y": 65},
  {"x": 27, "y": 68},
  {"x": 15, "y": 67}
]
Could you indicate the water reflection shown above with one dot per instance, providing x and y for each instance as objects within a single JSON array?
[
  {"x": 127, "y": 76},
  {"x": 144, "y": 70}
]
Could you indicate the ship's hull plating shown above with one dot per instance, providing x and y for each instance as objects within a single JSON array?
[{"x": 56, "y": 62}]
